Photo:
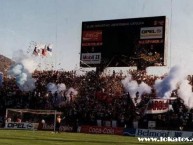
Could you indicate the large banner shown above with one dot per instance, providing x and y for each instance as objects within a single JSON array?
[
  {"x": 124, "y": 42},
  {"x": 156, "y": 106}
]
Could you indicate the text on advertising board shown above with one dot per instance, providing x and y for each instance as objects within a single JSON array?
[
  {"x": 91, "y": 58},
  {"x": 101, "y": 130},
  {"x": 151, "y": 32},
  {"x": 16, "y": 125},
  {"x": 92, "y": 36}
]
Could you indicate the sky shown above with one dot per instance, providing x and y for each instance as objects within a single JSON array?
[{"x": 59, "y": 22}]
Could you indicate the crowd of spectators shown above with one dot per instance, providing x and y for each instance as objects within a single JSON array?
[{"x": 100, "y": 97}]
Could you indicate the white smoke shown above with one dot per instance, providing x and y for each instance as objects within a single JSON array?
[
  {"x": 52, "y": 87},
  {"x": 19, "y": 55},
  {"x": 176, "y": 80},
  {"x": 29, "y": 85},
  {"x": 21, "y": 78},
  {"x": 126, "y": 81},
  {"x": 185, "y": 91},
  {"x": 61, "y": 87},
  {"x": 144, "y": 89},
  {"x": 165, "y": 87},
  {"x": 186, "y": 94},
  {"x": 132, "y": 87},
  {"x": 29, "y": 64},
  {"x": 22, "y": 71},
  {"x": 16, "y": 69}
]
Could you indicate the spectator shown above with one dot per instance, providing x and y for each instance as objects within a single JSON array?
[
  {"x": 99, "y": 97},
  {"x": 58, "y": 122}
]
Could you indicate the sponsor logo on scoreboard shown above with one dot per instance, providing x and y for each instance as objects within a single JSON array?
[
  {"x": 95, "y": 36},
  {"x": 91, "y": 58},
  {"x": 151, "y": 32}
]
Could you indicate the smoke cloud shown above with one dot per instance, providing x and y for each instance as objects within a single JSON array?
[
  {"x": 22, "y": 71},
  {"x": 186, "y": 94},
  {"x": 165, "y": 87},
  {"x": 144, "y": 89},
  {"x": 52, "y": 87},
  {"x": 132, "y": 87},
  {"x": 61, "y": 87}
]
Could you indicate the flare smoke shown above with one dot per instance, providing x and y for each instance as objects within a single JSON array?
[{"x": 22, "y": 71}]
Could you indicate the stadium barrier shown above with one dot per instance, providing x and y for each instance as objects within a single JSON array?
[
  {"x": 21, "y": 125},
  {"x": 101, "y": 130},
  {"x": 35, "y": 126},
  {"x": 50, "y": 127},
  {"x": 156, "y": 133}
]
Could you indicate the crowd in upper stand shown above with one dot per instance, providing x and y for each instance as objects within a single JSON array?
[{"x": 100, "y": 97}]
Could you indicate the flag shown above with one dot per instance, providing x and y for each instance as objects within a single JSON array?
[
  {"x": 44, "y": 51},
  {"x": 49, "y": 49},
  {"x": 36, "y": 51}
]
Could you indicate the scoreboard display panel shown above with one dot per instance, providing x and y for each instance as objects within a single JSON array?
[{"x": 123, "y": 42}]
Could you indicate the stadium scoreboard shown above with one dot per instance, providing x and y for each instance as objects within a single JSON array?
[{"x": 123, "y": 42}]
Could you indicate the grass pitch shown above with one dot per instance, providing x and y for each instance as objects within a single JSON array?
[{"x": 23, "y": 137}]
